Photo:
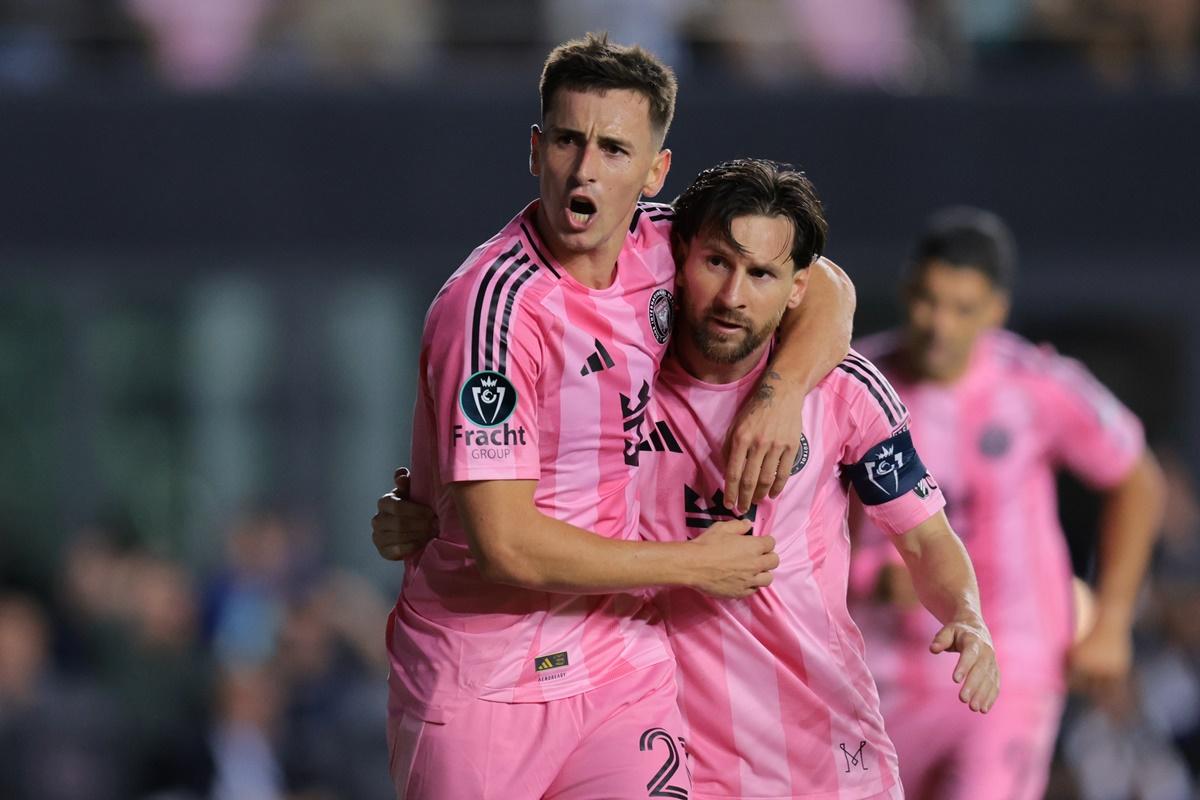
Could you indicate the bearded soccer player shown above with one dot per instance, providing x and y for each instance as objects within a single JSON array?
[
  {"x": 524, "y": 663},
  {"x": 995, "y": 417},
  {"x": 774, "y": 688}
]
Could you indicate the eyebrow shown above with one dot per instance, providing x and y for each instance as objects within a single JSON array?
[
  {"x": 611, "y": 141},
  {"x": 718, "y": 244}
]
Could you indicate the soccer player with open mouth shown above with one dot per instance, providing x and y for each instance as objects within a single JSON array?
[
  {"x": 524, "y": 660},
  {"x": 774, "y": 687}
]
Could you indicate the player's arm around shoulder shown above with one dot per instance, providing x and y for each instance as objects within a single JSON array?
[{"x": 514, "y": 543}]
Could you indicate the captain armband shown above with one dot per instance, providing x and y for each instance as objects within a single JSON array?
[{"x": 888, "y": 470}]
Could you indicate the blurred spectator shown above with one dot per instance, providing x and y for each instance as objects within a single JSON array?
[
  {"x": 247, "y": 716},
  {"x": 1122, "y": 37},
  {"x": 244, "y": 602},
  {"x": 653, "y": 24},
  {"x": 163, "y": 681},
  {"x": 857, "y": 42},
  {"x": 755, "y": 39},
  {"x": 130, "y": 624},
  {"x": 332, "y": 661},
  {"x": 356, "y": 40},
  {"x": 1147, "y": 743},
  {"x": 59, "y": 740},
  {"x": 201, "y": 45}
]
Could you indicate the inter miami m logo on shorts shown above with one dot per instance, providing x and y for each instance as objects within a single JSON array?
[
  {"x": 487, "y": 398},
  {"x": 662, "y": 314},
  {"x": 854, "y": 758}
]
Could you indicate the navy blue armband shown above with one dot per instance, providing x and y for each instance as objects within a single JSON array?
[{"x": 887, "y": 471}]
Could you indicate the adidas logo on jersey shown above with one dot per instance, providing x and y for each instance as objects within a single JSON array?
[
  {"x": 597, "y": 361},
  {"x": 552, "y": 661},
  {"x": 660, "y": 440},
  {"x": 703, "y": 516}
]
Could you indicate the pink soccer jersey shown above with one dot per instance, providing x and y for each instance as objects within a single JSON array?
[
  {"x": 774, "y": 689},
  {"x": 527, "y": 374},
  {"x": 994, "y": 439}
]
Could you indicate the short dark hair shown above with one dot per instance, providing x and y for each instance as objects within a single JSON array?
[
  {"x": 969, "y": 238},
  {"x": 752, "y": 187},
  {"x": 592, "y": 64}
]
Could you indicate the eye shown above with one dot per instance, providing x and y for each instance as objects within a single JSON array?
[
  {"x": 762, "y": 274},
  {"x": 613, "y": 149},
  {"x": 715, "y": 260},
  {"x": 566, "y": 139}
]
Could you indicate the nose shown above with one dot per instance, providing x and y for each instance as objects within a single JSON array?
[
  {"x": 942, "y": 320},
  {"x": 731, "y": 290},
  {"x": 585, "y": 167}
]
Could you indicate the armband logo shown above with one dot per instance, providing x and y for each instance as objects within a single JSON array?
[
  {"x": 487, "y": 398},
  {"x": 884, "y": 471},
  {"x": 925, "y": 486},
  {"x": 889, "y": 470}
]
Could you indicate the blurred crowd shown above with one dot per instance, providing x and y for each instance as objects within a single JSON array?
[
  {"x": 133, "y": 676},
  {"x": 1144, "y": 743},
  {"x": 895, "y": 45}
]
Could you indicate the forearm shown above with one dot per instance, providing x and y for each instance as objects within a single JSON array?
[
  {"x": 553, "y": 556},
  {"x": 815, "y": 336},
  {"x": 520, "y": 546},
  {"x": 1130, "y": 519},
  {"x": 941, "y": 571}
]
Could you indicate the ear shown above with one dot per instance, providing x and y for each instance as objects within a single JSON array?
[
  {"x": 1000, "y": 308},
  {"x": 658, "y": 173},
  {"x": 799, "y": 286},
  {"x": 535, "y": 159}
]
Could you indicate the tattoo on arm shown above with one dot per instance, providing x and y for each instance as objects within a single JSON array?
[{"x": 766, "y": 392}]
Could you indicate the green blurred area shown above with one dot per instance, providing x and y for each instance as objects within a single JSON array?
[{"x": 165, "y": 408}]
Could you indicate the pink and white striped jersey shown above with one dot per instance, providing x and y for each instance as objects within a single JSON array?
[
  {"x": 774, "y": 688},
  {"x": 995, "y": 438},
  {"x": 528, "y": 374}
]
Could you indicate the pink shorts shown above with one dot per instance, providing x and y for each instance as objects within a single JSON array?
[
  {"x": 622, "y": 740},
  {"x": 948, "y": 752}
]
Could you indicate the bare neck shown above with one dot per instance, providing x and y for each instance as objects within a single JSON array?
[{"x": 595, "y": 269}]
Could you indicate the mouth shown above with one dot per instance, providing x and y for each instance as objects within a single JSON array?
[
  {"x": 724, "y": 326},
  {"x": 580, "y": 212}
]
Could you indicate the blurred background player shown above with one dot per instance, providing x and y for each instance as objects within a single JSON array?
[{"x": 996, "y": 416}]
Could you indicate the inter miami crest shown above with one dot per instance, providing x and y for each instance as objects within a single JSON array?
[
  {"x": 487, "y": 398},
  {"x": 994, "y": 441},
  {"x": 662, "y": 314},
  {"x": 801, "y": 455}
]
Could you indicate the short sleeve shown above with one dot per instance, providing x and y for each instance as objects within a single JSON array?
[
  {"x": 878, "y": 455},
  {"x": 483, "y": 385},
  {"x": 1094, "y": 435}
]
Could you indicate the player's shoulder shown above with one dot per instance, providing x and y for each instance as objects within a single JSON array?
[
  {"x": 508, "y": 270},
  {"x": 881, "y": 347},
  {"x": 858, "y": 382},
  {"x": 1025, "y": 360},
  {"x": 651, "y": 223}
]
